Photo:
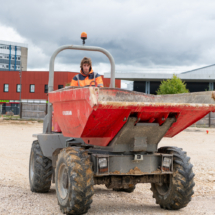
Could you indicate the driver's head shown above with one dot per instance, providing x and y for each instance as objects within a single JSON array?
[{"x": 86, "y": 65}]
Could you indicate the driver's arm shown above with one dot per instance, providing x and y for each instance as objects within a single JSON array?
[
  {"x": 74, "y": 82},
  {"x": 99, "y": 80}
]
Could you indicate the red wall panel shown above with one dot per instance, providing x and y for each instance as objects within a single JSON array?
[{"x": 39, "y": 79}]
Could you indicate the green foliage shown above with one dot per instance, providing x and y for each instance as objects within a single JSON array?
[
  {"x": 172, "y": 86},
  {"x": 67, "y": 84},
  {"x": 208, "y": 88}
]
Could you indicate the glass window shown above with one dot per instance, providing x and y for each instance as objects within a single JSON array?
[
  {"x": 18, "y": 88},
  {"x": 13, "y": 58},
  {"x": 32, "y": 88},
  {"x": 6, "y": 87},
  {"x": 18, "y": 58},
  {"x": 7, "y": 66},
  {"x": 60, "y": 86},
  {"x": 46, "y": 89}
]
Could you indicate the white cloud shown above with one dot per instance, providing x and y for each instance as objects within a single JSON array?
[
  {"x": 35, "y": 53},
  {"x": 140, "y": 34},
  {"x": 9, "y": 34}
]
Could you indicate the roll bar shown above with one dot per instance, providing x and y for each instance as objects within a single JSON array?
[{"x": 51, "y": 72}]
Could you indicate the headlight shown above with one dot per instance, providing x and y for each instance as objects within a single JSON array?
[
  {"x": 103, "y": 162},
  {"x": 167, "y": 162}
]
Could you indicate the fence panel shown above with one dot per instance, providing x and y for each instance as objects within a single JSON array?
[
  {"x": 13, "y": 108},
  {"x": 33, "y": 110}
]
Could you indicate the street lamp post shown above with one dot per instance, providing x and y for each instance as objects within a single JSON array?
[{"x": 20, "y": 89}]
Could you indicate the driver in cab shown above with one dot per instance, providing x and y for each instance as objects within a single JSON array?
[{"x": 87, "y": 76}]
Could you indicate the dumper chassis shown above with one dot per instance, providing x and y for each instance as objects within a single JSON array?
[{"x": 110, "y": 136}]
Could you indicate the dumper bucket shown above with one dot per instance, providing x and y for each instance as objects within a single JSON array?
[{"x": 97, "y": 114}]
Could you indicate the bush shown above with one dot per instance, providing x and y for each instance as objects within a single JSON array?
[{"x": 172, "y": 86}]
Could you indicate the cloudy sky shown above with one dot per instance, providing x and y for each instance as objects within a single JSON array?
[{"x": 142, "y": 35}]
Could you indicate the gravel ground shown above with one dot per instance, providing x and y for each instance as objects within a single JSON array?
[{"x": 16, "y": 197}]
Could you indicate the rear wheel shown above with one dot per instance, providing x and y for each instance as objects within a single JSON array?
[
  {"x": 74, "y": 180},
  {"x": 177, "y": 192},
  {"x": 40, "y": 170}
]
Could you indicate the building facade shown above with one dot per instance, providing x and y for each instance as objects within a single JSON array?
[
  {"x": 197, "y": 80},
  {"x": 13, "y": 55},
  {"x": 33, "y": 88}
]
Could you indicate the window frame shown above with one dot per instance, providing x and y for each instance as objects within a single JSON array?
[
  {"x": 17, "y": 88},
  {"x": 30, "y": 88},
  {"x": 4, "y": 88},
  {"x": 46, "y": 89},
  {"x": 60, "y": 87}
]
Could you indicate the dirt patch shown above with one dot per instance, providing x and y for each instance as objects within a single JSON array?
[
  {"x": 116, "y": 172},
  {"x": 19, "y": 122},
  {"x": 135, "y": 171},
  {"x": 16, "y": 197}
]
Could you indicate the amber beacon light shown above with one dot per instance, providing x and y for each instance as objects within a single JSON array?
[{"x": 83, "y": 37}]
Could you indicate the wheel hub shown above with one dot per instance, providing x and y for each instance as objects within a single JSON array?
[
  {"x": 163, "y": 188},
  {"x": 32, "y": 166},
  {"x": 65, "y": 180}
]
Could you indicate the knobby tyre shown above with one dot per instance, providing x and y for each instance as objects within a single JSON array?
[
  {"x": 177, "y": 193},
  {"x": 40, "y": 170},
  {"x": 74, "y": 180}
]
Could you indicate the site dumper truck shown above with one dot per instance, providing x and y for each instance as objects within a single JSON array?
[{"x": 110, "y": 136}]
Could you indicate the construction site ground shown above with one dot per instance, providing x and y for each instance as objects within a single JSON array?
[{"x": 16, "y": 197}]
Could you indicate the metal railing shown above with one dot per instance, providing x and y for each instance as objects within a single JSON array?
[{"x": 51, "y": 71}]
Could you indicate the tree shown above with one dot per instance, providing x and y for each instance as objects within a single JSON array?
[{"x": 172, "y": 86}]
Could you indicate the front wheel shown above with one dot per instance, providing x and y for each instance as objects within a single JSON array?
[
  {"x": 177, "y": 192},
  {"x": 74, "y": 180}
]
